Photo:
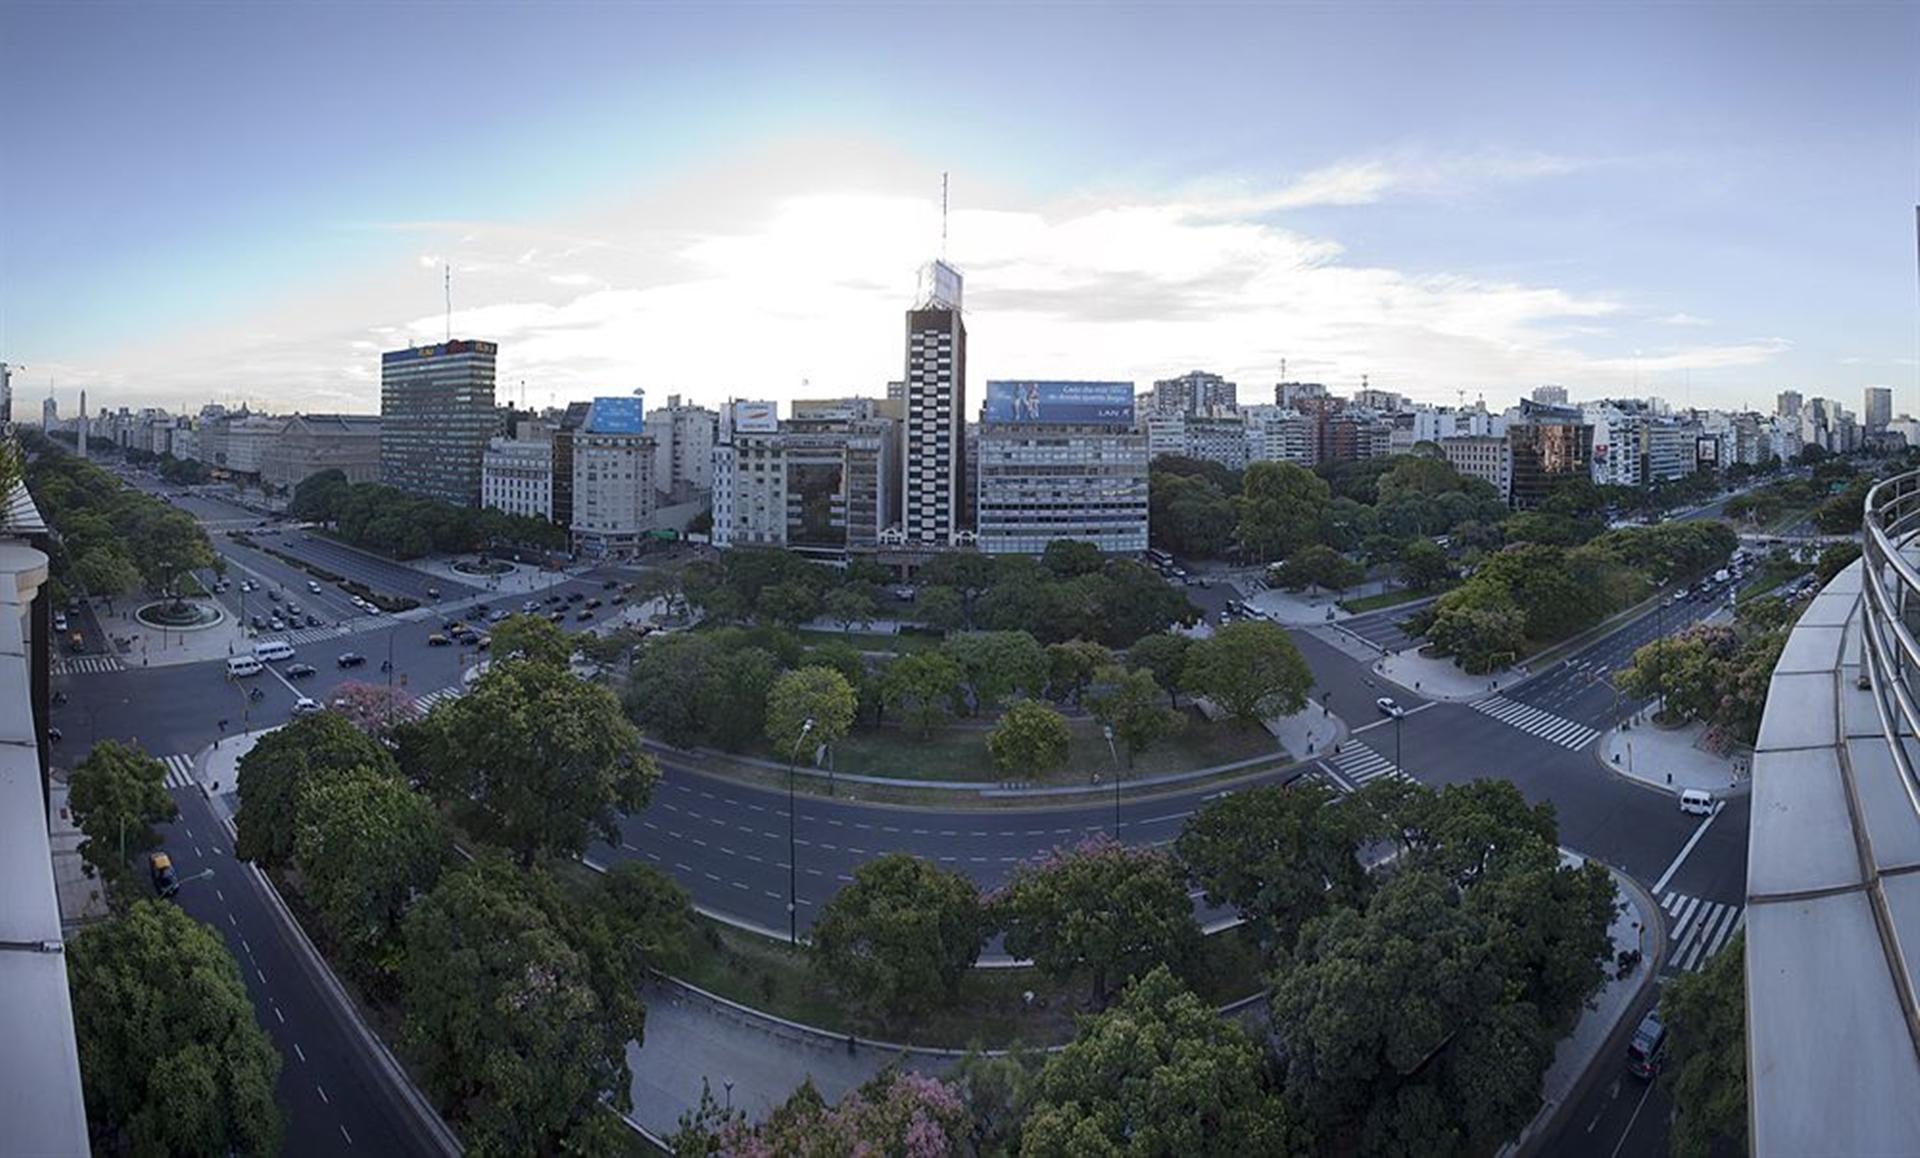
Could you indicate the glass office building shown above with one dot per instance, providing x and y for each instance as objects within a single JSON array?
[{"x": 436, "y": 417}]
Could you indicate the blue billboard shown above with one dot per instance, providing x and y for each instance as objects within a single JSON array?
[{"x": 1085, "y": 403}]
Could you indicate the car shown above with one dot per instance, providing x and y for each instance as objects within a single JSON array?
[
  {"x": 59, "y": 621},
  {"x": 556, "y": 616},
  {"x": 305, "y": 707},
  {"x": 438, "y": 640},
  {"x": 530, "y": 606},
  {"x": 293, "y": 609},
  {"x": 1648, "y": 1049},
  {"x": 160, "y": 868},
  {"x": 483, "y": 643},
  {"x": 553, "y": 599},
  {"x": 259, "y": 624},
  {"x": 575, "y": 596},
  {"x": 299, "y": 671},
  {"x": 591, "y": 603},
  {"x": 313, "y": 587},
  {"x": 1388, "y": 707},
  {"x": 497, "y": 614},
  {"x": 350, "y": 659},
  {"x": 370, "y": 609},
  {"x": 276, "y": 624},
  {"x": 584, "y": 615},
  {"x": 248, "y": 585},
  {"x": 313, "y": 620},
  {"x": 274, "y": 596},
  {"x": 433, "y": 593},
  {"x": 457, "y": 626},
  {"x": 617, "y": 599},
  {"x": 610, "y": 585},
  {"x": 1226, "y": 616}
]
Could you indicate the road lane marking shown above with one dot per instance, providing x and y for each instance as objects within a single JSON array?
[
  {"x": 1631, "y": 1120},
  {"x": 323, "y": 1093},
  {"x": 260, "y": 975},
  {"x": 344, "y": 1134},
  {"x": 685, "y": 868},
  {"x": 282, "y": 1018},
  {"x": 1661, "y": 884},
  {"x": 298, "y": 1052},
  {"x": 247, "y": 947}
]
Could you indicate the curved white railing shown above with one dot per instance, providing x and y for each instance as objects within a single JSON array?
[{"x": 1890, "y": 587}]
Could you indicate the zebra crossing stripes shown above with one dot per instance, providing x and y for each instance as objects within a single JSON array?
[
  {"x": 1358, "y": 764},
  {"x": 1534, "y": 721},
  {"x": 179, "y": 770},
  {"x": 87, "y": 665},
  {"x": 1700, "y": 929},
  {"x": 426, "y": 701}
]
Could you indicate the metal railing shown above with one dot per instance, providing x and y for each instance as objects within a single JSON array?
[{"x": 1890, "y": 591}]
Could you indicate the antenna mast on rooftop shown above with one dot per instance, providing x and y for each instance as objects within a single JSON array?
[
  {"x": 449, "y": 284},
  {"x": 943, "y": 215}
]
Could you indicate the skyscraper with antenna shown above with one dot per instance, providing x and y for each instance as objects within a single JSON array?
[{"x": 934, "y": 434}]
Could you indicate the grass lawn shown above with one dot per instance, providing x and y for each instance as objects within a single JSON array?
[
  {"x": 990, "y": 1011},
  {"x": 1767, "y": 576},
  {"x": 1385, "y": 599},
  {"x": 870, "y": 641},
  {"x": 958, "y": 751}
]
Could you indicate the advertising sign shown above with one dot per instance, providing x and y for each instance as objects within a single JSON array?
[
  {"x": 756, "y": 417},
  {"x": 1086, "y": 403},
  {"x": 1707, "y": 449}
]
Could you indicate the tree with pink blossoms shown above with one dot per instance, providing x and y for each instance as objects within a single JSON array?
[
  {"x": 898, "y": 1114},
  {"x": 372, "y": 708}
]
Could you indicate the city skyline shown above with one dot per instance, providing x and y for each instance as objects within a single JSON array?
[{"x": 1111, "y": 224}]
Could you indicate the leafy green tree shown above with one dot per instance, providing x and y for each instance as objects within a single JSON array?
[
  {"x": 104, "y": 571},
  {"x": 532, "y": 638},
  {"x": 1479, "y": 625},
  {"x": 1068, "y": 558},
  {"x": 819, "y": 694},
  {"x": 1685, "y": 670},
  {"x": 1835, "y": 558},
  {"x": 1157, "y": 1073},
  {"x": 902, "y": 936},
  {"x": 1031, "y": 739},
  {"x": 1279, "y": 855},
  {"x": 273, "y": 775},
  {"x": 1316, "y": 565},
  {"x": 117, "y": 794},
  {"x": 894, "y": 1113},
  {"x": 1102, "y": 910},
  {"x": 503, "y": 1019},
  {"x": 1424, "y": 566},
  {"x": 1766, "y": 613},
  {"x": 733, "y": 697},
  {"x": 171, "y": 1058},
  {"x": 1191, "y": 517},
  {"x": 367, "y": 844},
  {"x": 315, "y": 496},
  {"x": 1071, "y": 667},
  {"x": 968, "y": 573},
  {"x": 1164, "y": 656},
  {"x": 538, "y": 761},
  {"x": 646, "y": 915},
  {"x": 995, "y": 664},
  {"x": 1251, "y": 669},
  {"x": 1706, "y": 1073},
  {"x": 1280, "y": 506},
  {"x": 1129, "y": 703},
  {"x": 165, "y": 544},
  {"x": 788, "y": 602},
  {"x": 665, "y": 688},
  {"x": 848, "y": 606},
  {"x": 926, "y": 684},
  {"x": 941, "y": 608}
]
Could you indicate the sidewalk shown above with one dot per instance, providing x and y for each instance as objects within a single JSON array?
[
  {"x": 522, "y": 579},
  {"x": 1435, "y": 678},
  {"x": 1673, "y": 759},
  {"x": 157, "y": 647}
]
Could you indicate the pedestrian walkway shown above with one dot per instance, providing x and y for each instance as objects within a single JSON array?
[
  {"x": 1674, "y": 759},
  {"x": 322, "y": 634},
  {"x": 1357, "y": 765},
  {"x": 426, "y": 701},
  {"x": 179, "y": 770},
  {"x": 86, "y": 665},
  {"x": 1700, "y": 929},
  {"x": 1535, "y": 721}
]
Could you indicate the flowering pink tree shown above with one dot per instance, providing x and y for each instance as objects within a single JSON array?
[
  {"x": 372, "y": 708},
  {"x": 900, "y": 1113}
]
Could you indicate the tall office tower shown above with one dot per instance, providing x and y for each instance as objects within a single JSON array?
[
  {"x": 933, "y": 437},
  {"x": 570, "y": 423},
  {"x": 1061, "y": 460},
  {"x": 1550, "y": 395},
  {"x": 436, "y": 415},
  {"x": 1195, "y": 392},
  {"x": 1788, "y": 404},
  {"x": 6, "y": 394},
  {"x": 80, "y": 427},
  {"x": 49, "y": 414},
  {"x": 1879, "y": 407}
]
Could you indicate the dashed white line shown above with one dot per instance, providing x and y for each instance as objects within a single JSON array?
[
  {"x": 221, "y": 895},
  {"x": 741, "y": 887},
  {"x": 344, "y": 1134},
  {"x": 246, "y": 946},
  {"x": 856, "y": 851},
  {"x": 323, "y": 1093},
  {"x": 711, "y": 877},
  {"x": 261, "y": 976},
  {"x": 281, "y": 1017},
  {"x": 685, "y": 868},
  {"x": 628, "y": 847},
  {"x": 301, "y": 1053}
]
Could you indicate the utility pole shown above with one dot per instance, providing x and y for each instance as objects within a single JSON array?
[
  {"x": 1107, "y": 731},
  {"x": 793, "y": 896}
]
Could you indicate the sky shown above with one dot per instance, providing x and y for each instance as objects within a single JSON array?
[{"x": 232, "y": 202}]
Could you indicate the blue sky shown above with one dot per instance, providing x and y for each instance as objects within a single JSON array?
[{"x": 250, "y": 201}]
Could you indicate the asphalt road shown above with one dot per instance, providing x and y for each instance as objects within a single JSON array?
[
  {"x": 382, "y": 575},
  {"x": 1382, "y": 628}
]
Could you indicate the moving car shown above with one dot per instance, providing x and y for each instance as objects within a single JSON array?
[
  {"x": 591, "y": 603},
  {"x": 1388, "y": 707},
  {"x": 59, "y": 621},
  {"x": 300, "y": 671},
  {"x": 609, "y": 584},
  {"x": 575, "y": 596},
  {"x": 313, "y": 587},
  {"x": 305, "y": 707},
  {"x": 276, "y": 624},
  {"x": 1696, "y": 802},
  {"x": 1648, "y": 1048},
  {"x": 313, "y": 620},
  {"x": 584, "y": 615},
  {"x": 160, "y": 868},
  {"x": 530, "y": 606},
  {"x": 351, "y": 659},
  {"x": 438, "y": 640},
  {"x": 274, "y": 595},
  {"x": 273, "y": 650},
  {"x": 259, "y": 624}
]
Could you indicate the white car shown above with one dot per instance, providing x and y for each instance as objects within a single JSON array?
[
  {"x": 1386, "y": 704},
  {"x": 313, "y": 587},
  {"x": 305, "y": 706}
]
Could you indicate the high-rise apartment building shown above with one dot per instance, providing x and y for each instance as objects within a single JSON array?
[
  {"x": 1548, "y": 443},
  {"x": 1061, "y": 460},
  {"x": 49, "y": 414},
  {"x": 1195, "y": 392},
  {"x": 569, "y": 425},
  {"x": 823, "y": 483},
  {"x": 1550, "y": 395},
  {"x": 933, "y": 435},
  {"x": 683, "y": 447},
  {"x": 1788, "y": 404},
  {"x": 1878, "y": 407},
  {"x": 436, "y": 416},
  {"x": 516, "y": 477},
  {"x": 80, "y": 427},
  {"x": 613, "y": 499}
]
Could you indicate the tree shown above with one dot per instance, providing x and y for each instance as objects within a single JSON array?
[
  {"x": 104, "y": 571},
  {"x": 894, "y": 1113},
  {"x": 1071, "y": 667},
  {"x": 1835, "y": 558},
  {"x": 817, "y": 694},
  {"x": 733, "y": 697},
  {"x": 901, "y": 936},
  {"x": 647, "y": 915},
  {"x": 926, "y": 684},
  {"x": 1479, "y": 625},
  {"x": 1068, "y": 558},
  {"x": 789, "y": 602},
  {"x": 1251, "y": 669},
  {"x": 1280, "y": 506},
  {"x": 117, "y": 794},
  {"x": 1164, "y": 656},
  {"x": 316, "y": 496},
  {"x": 1031, "y": 739},
  {"x": 171, "y": 1058},
  {"x": 503, "y": 1018},
  {"x": 1316, "y": 565},
  {"x": 532, "y": 638},
  {"x": 1191, "y": 517},
  {"x": 1279, "y": 855},
  {"x": 1685, "y": 671},
  {"x": 848, "y": 606},
  {"x": 1129, "y": 703},
  {"x": 1706, "y": 1073},
  {"x": 280, "y": 766},
  {"x": 375, "y": 709},
  {"x": 1424, "y": 566},
  {"x": 1158, "y": 1073},
  {"x": 1102, "y": 909},
  {"x": 367, "y": 845},
  {"x": 538, "y": 761},
  {"x": 942, "y": 608},
  {"x": 994, "y": 664},
  {"x": 166, "y": 543},
  {"x": 666, "y": 686}
]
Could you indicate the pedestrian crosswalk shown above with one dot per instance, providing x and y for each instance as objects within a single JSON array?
[
  {"x": 1700, "y": 928},
  {"x": 1543, "y": 724},
  {"x": 1355, "y": 764},
  {"x": 87, "y": 665},
  {"x": 310, "y": 635},
  {"x": 179, "y": 770},
  {"x": 426, "y": 701}
]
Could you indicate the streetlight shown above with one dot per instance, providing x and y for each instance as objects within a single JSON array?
[
  {"x": 1107, "y": 731},
  {"x": 793, "y": 911},
  {"x": 1397, "y": 717}
]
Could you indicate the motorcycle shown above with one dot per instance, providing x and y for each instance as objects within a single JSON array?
[
  {"x": 386, "y": 665},
  {"x": 256, "y": 694}
]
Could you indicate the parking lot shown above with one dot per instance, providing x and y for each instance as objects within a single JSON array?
[{"x": 382, "y": 575}]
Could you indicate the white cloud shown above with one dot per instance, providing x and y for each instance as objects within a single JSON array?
[
  {"x": 715, "y": 287},
  {"x": 1682, "y": 319}
]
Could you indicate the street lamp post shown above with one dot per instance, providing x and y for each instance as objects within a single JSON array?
[
  {"x": 793, "y": 896},
  {"x": 1397, "y": 717},
  {"x": 1107, "y": 731}
]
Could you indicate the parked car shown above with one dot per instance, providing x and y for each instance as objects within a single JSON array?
[
  {"x": 483, "y": 643},
  {"x": 617, "y": 599},
  {"x": 553, "y": 598},
  {"x": 609, "y": 584},
  {"x": 313, "y": 587},
  {"x": 497, "y": 614},
  {"x": 591, "y": 603},
  {"x": 584, "y": 615},
  {"x": 575, "y": 596},
  {"x": 313, "y": 620},
  {"x": 59, "y": 621},
  {"x": 274, "y": 596},
  {"x": 351, "y": 659},
  {"x": 530, "y": 606}
]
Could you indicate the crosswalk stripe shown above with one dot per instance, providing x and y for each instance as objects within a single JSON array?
[
  {"x": 1701, "y": 928},
  {"x": 1538, "y": 722},
  {"x": 86, "y": 665},
  {"x": 179, "y": 771}
]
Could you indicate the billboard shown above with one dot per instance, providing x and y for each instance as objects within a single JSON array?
[
  {"x": 1085, "y": 403},
  {"x": 939, "y": 286},
  {"x": 756, "y": 417}
]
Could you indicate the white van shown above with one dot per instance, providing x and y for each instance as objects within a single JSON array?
[
  {"x": 273, "y": 649},
  {"x": 244, "y": 665},
  {"x": 1696, "y": 802}
]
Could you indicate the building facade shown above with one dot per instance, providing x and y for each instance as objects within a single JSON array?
[
  {"x": 1483, "y": 456},
  {"x": 613, "y": 485},
  {"x": 310, "y": 443},
  {"x": 933, "y": 434},
  {"x": 436, "y": 417},
  {"x": 1061, "y": 460},
  {"x": 516, "y": 477},
  {"x": 1548, "y": 443},
  {"x": 1877, "y": 407},
  {"x": 824, "y": 483},
  {"x": 1195, "y": 392},
  {"x": 683, "y": 438}
]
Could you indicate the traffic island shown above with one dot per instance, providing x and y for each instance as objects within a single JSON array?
[
  {"x": 179, "y": 615},
  {"x": 1674, "y": 759}
]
